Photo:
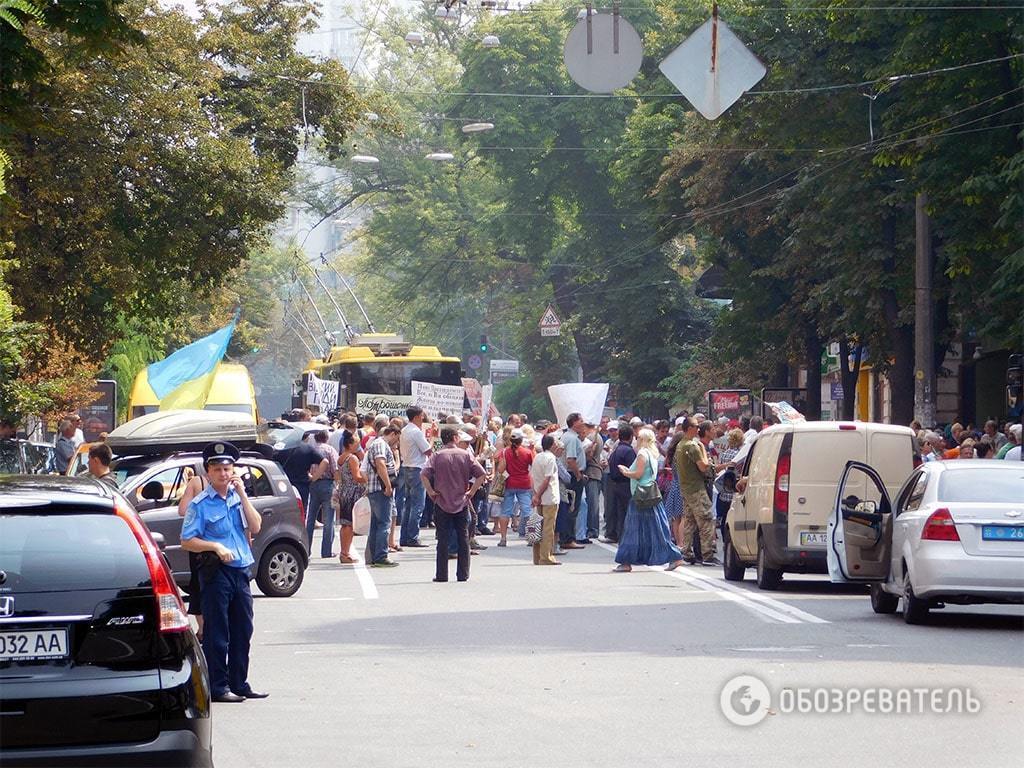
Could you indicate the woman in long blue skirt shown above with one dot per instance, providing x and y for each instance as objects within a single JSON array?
[{"x": 646, "y": 539}]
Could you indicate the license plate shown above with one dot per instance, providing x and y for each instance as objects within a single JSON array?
[
  {"x": 808, "y": 538},
  {"x": 1002, "y": 532},
  {"x": 33, "y": 644}
]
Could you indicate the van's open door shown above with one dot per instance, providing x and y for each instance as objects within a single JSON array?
[{"x": 860, "y": 527}]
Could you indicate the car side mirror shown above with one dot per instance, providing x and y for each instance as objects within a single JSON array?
[
  {"x": 153, "y": 490},
  {"x": 159, "y": 539}
]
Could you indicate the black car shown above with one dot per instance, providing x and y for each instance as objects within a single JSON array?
[{"x": 98, "y": 661}]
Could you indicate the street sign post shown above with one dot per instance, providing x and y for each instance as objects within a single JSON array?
[
  {"x": 502, "y": 370},
  {"x": 550, "y": 325}
]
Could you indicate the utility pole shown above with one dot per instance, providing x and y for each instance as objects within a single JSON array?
[{"x": 924, "y": 328}]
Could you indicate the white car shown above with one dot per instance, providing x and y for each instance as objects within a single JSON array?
[{"x": 955, "y": 534}]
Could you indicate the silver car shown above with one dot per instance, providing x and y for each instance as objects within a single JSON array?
[{"x": 953, "y": 534}]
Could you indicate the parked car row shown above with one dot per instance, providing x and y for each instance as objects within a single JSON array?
[{"x": 853, "y": 500}]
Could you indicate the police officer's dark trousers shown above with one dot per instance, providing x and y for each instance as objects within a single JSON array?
[{"x": 227, "y": 628}]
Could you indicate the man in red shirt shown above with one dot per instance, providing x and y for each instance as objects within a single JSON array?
[{"x": 451, "y": 478}]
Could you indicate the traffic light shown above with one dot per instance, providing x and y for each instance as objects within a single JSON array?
[{"x": 484, "y": 346}]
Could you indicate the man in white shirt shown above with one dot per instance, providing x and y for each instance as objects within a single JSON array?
[
  {"x": 546, "y": 494},
  {"x": 756, "y": 425},
  {"x": 414, "y": 449}
]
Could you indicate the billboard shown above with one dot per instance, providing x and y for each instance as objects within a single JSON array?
[
  {"x": 731, "y": 403},
  {"x": 100, "y": 416}
]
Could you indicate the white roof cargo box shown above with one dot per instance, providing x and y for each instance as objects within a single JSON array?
[{"x": 169, "y": 431}]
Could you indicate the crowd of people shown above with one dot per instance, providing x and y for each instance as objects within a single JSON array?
[
  {"x": 955, "y": 441},
  {"x": 658, "y": 488}
]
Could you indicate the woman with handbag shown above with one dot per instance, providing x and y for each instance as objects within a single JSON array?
[
  {"x": 645, "y": 539},
  {"x": 350, "y": 485}
]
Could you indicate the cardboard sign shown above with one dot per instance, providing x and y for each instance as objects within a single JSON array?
[
  {"x": 386, "y": 405},
  {"x": 474, "y": 393},
  {"x": 586, "y": 399},
  {"x": 436, "y": 399}
]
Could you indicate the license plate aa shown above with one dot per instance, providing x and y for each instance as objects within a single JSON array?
[
  {"x": 1002, "y": 532},
  {"x": 33, "y": 644},
  {"x": 808, "y": 538}
]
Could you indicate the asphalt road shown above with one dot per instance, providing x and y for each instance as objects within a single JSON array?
[{"x": 578, "y": 666}]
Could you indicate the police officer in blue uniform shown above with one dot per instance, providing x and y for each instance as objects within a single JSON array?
[{"x": 217, "y": 525}]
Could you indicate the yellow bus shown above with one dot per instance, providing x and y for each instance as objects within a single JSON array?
[
  {"x": 232, "y": 390},
  {"x": 375, "y": 372}
]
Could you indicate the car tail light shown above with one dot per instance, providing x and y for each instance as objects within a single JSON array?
[
  {"x": 302, "y": 507},
  {"x": 169, "y": 608},
  {"x": 940, "y": 527},
  {"x": 848, "y": 427},
  {"x": 781, "y": 501}
]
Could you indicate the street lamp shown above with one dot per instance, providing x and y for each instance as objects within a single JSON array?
[
  {"x": 477, "y": 127},
  {"x": 491, "y": 41},
  {"x": 440, "y": 157}
]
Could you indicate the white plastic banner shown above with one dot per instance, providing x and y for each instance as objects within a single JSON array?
[
  {"x": 386, "y": 405},
  {"x": 586, "y": 399},
  {"x": 786, "y": 413},
  {"x": 321, "y": 393},
  {"x": 436, "y": 399},
  {"x": 486, "y": 402}
]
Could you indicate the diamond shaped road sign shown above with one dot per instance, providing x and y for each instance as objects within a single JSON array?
[{"x": 712, "y": 68}]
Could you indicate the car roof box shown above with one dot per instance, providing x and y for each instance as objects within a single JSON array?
[{"x": 169, "y": 431}]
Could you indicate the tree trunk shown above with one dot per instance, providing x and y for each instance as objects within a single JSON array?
[
  {"x": 901, "y": 338},
  {"x": 850, "y": 374},
  {"x": 813, "y": 347}
]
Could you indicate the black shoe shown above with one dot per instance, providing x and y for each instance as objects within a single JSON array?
[
  {"x": 228, "y": 698},
  {"x": 453, "y": 557},
  {"x": 710, "y": 562},
  {"x": 486, "y": 532},
  {"x": 689, "y": 559},
  {"x": 440, "y": 581},
  {"x": 414, "y": 544},
  {"x": 251, "y": 694},
  {"x": 584, "y": 541},
  {"x": 385, "y": 563}
]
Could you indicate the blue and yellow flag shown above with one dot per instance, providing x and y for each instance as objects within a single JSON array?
[{"x": 183, "y": 379}]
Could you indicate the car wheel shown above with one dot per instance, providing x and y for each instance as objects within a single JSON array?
[
  {"x": 731, "y": 565},
  {"x": 281, "y": 571},
  {"x": 915, "y": 610},
  {"x": 882, "y": 601},
  {"x": 767, "y": 578}
]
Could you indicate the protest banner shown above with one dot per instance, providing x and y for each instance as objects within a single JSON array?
[
  {"x": 436, "y": 399},
  {"x": 321, "y": 393},
  {"x": 487, "y": 402},
  {"x": 474, "y": 393},
  {"x": 786, "y": 413},
  {"x": 586, "y": 399},
  {"x": 387, "y": 405}
]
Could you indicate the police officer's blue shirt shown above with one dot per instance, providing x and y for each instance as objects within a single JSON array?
[{"x": 222, "y": 520}]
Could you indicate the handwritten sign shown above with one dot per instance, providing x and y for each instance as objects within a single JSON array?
[
  {"x": 436, "y": 399},
  {"x": 386, "y": 405},
  {"x": 322, "y": 393}
]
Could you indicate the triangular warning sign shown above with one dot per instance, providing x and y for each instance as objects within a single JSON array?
[{"x": 549, "y": 319}]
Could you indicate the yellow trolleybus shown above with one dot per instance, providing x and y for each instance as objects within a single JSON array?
[{"x": 374, "y": 372}]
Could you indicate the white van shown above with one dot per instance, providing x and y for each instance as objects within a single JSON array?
[{"x": 790, "y": 476}]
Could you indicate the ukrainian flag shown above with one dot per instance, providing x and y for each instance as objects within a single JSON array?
[{"x": 183, "y": 379}]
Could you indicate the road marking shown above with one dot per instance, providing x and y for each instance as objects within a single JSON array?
[
  {"x": 310, "y": 600},
  {"x": 365, "y": 581},
  {"x": 761, "y": 605}
]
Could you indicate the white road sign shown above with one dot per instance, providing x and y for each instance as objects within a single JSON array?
[{"x": 712, "y": 91}]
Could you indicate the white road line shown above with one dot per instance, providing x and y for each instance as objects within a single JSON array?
[
  {"x": 760, "y": 604},
  {"x": 365, "y": 581}
]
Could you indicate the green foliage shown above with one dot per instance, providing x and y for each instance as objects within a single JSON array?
[
  {"x": 161, "y": 165},
  {"x": 517, "y": 396}
]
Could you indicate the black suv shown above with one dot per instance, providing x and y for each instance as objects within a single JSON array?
[
  {"x": 98, "y": 662},
  {"x": 155, "y": 485}
]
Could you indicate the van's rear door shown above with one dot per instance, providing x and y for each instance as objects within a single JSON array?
[
  {"x": 892, "y": 456},
  {"x": 818, "y": 461}
]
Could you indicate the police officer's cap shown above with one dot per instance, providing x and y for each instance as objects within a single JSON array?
[{"x": 220, "y": 453}]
